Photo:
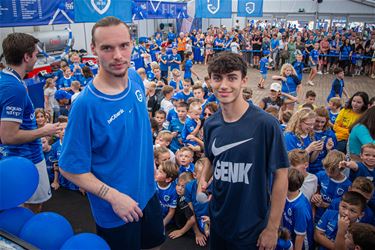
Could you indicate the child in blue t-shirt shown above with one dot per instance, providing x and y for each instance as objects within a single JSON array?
[
  {"x": 65, "y": 80},
  {"x": 332, "y": 183},
  {"x": 52, "y": 170},
  {"x": 365, "y": 187},
  {"x": 199, "y": 209},
  {"x": 338, "y": 86},
  {"x": 298, "y": 65},
  {"x": 334, "y": 106},
  {"x": 184, "y": 158},
  {"x": 297, "y": 216},
  {"x": 176, "y": 81},
  {"x": 176, "y": 126},
  {"x": 290, "y": 82},
  {"x": 313, "y": 63},
  {"x": 165, "y": 177},
  {"x": 186, "y": 91},
  {"x": 192, "y": 125},
  {"x": 163, "y": 62},
  {"x": 263, "y": 69},
  {"x": 350, "y": 210}
]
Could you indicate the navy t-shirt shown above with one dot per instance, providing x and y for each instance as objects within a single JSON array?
[{"x": 244, "y": 154}]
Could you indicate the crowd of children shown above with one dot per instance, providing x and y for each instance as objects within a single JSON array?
[{"x": 330, "y": 200}]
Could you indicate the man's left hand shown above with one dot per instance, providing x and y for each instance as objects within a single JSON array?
[{"x": 267, "y": 239}]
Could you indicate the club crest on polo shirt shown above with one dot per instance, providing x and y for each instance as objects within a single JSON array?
[{"x": 139, "y": 95}]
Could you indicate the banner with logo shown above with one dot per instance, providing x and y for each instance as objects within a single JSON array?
[
  {"x": 250, "y": 8},
  {"x": 156, "y": 9},
  {"x": 213, "y": 8},
  {"x": 93, "y": 10},
  {"x": 35, "y": 12}
]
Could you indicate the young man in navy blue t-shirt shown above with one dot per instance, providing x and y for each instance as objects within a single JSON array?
[
  {"x": 245, "y": 151},
  {"x": 19, "y": 135},
  {"x": 107, "y": 148}
]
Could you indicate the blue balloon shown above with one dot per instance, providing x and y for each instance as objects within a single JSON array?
[
  {"x": 47, "y": 230},
  {"x": 19, "y": 179},
  {"x": 85, "y": 241},
  {"x": 12, "y": 220}
]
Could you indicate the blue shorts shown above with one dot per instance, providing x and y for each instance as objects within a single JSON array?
[
  {"x": 144, "y": 234},
  {"x": 312, "y": 65},
  {"x": 264, "y": 76}
]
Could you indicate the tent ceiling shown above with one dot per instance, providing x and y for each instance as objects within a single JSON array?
[{"x": 365, "y": 2}]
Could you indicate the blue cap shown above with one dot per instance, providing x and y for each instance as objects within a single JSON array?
[{"x": 62, "y": 94}]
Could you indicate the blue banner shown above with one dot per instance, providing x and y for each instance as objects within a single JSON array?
[
  {"x": 93, "y": 10},
  {"x": 213, "y": 8},
  {"x": 35, "y": 12},
  {"x": 46, "y": 12},
  {"x": 253, "y": 8},
  {"x": 155, "y": 9}
]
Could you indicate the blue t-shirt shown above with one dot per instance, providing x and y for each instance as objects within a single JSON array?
[
  {"x": 200, "y": 209},
  {"x": 293, "y": 142},
  {"x": 330, "y": 189},
  {"x": 298, "y": 66},
  {"x": 332, "y": 116},
  {"x": 274, "y": 43},
  {"x": 174, "y": 65},
  {"x": 174, "y": 84},
  {"x": 189, "y": 126},
  {"x": 188, "y": 66},
  {"x": 182, "y": 96},
  {"x": 335, "y": 44},
  {"x": 85, "y": 80},
  {"x": 77, "y": 73},
  {"x": 16, "y": 106},
  {"x": 172, "y": 115},
  {"x": 64, "y": 82},
  {"x": 167, "y": 197},
  {"x": 263, "y": 65},
  {"x": 290, "y": 85},
  {"x": 189, "y": 169},
  {"x": 364, "y": 171},
  {"x": 298, "y": 219},
  {"x": 329, "y": 224},
  {"x": 50, "y": 159},
  {"x": 176, "y": 126},
  {"x": 336, "y": 88},
  {"x": 137, "y": 58},
  {"x": 244, "y": 154},
  {"x": 98, "y": 124},
  {"x": 314, "y": 54},
  {"x": 164, "y": 66},
  {"x": 316, "y": 166}
]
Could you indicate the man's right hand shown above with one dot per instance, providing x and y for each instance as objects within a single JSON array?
[
  {"x": 51, "y": 129},
  {"x": 125, "y": 207}
]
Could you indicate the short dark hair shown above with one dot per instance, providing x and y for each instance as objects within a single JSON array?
[
  {"x": 16, "y": 45},
  {"x": 310, "y": 93},
  {"x": 227, "y": 62},
  {"x": 106, "y": 22},
  {"x": 337, "y": 70},
  {"x": 355, "y": 199},
  {"x": 295, "y": 180}
]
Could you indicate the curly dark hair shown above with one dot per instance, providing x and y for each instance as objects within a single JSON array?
[{"x": 226, "y": 62}]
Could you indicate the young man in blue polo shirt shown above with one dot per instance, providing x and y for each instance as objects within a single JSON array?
[
  {"x": 107, "y": 149},
  {"x": 19, "y": 135},
  {"x": 245, "y": 151}
]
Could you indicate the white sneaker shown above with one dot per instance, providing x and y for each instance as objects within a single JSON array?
[
  {"x": 310, "y": 83},
  {"x": 319, "y": 73},
  {"x": 326, "y": 73}
]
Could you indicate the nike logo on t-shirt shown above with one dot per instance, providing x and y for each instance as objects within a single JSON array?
[{"x": 216, "y": 151}]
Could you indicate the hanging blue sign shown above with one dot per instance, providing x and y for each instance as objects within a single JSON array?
[
  {"x": 247, "y": 8},
  {"x": 93, "y": 10},
  {"x": 35, "y": 12},
  {"x": 156, "y": 9},
  {"x": 213, "y": 8}
]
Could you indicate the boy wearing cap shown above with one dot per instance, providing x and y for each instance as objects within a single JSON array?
[
  {"x": 64, "y": 99},
  {"x": 263, "y": 68},
  {"x": 276, "y": 98}
]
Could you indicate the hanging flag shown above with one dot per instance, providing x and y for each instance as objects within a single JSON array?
[
  {"x": 213, "y": 8},
  {"x": 93, "y": 10},
  {"x": 248, "y": 8}
]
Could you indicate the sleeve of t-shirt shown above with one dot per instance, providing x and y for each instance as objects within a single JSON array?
[
  {"x": 76, "y": 149},
  {"x": 301, "y": 222},
  {"x": 277, "y": 149},
  {"x": 188, "y": 192},
  {"x": 290, "y": 141},
  {"x": 13, "y": 103},
  {"x": 322, "y": 224},
  {"x": 173, "y": 200},
  {"x": 296, "y": 80}
]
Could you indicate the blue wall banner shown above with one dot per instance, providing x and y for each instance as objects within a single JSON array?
[
  {"x": 35, "y": 12},
  {"x": 248, "y": 8},
  {"x": 154, "y": 9},
  {"x": 213, "y": 8},
  {"x": 93, "y": 10}
]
